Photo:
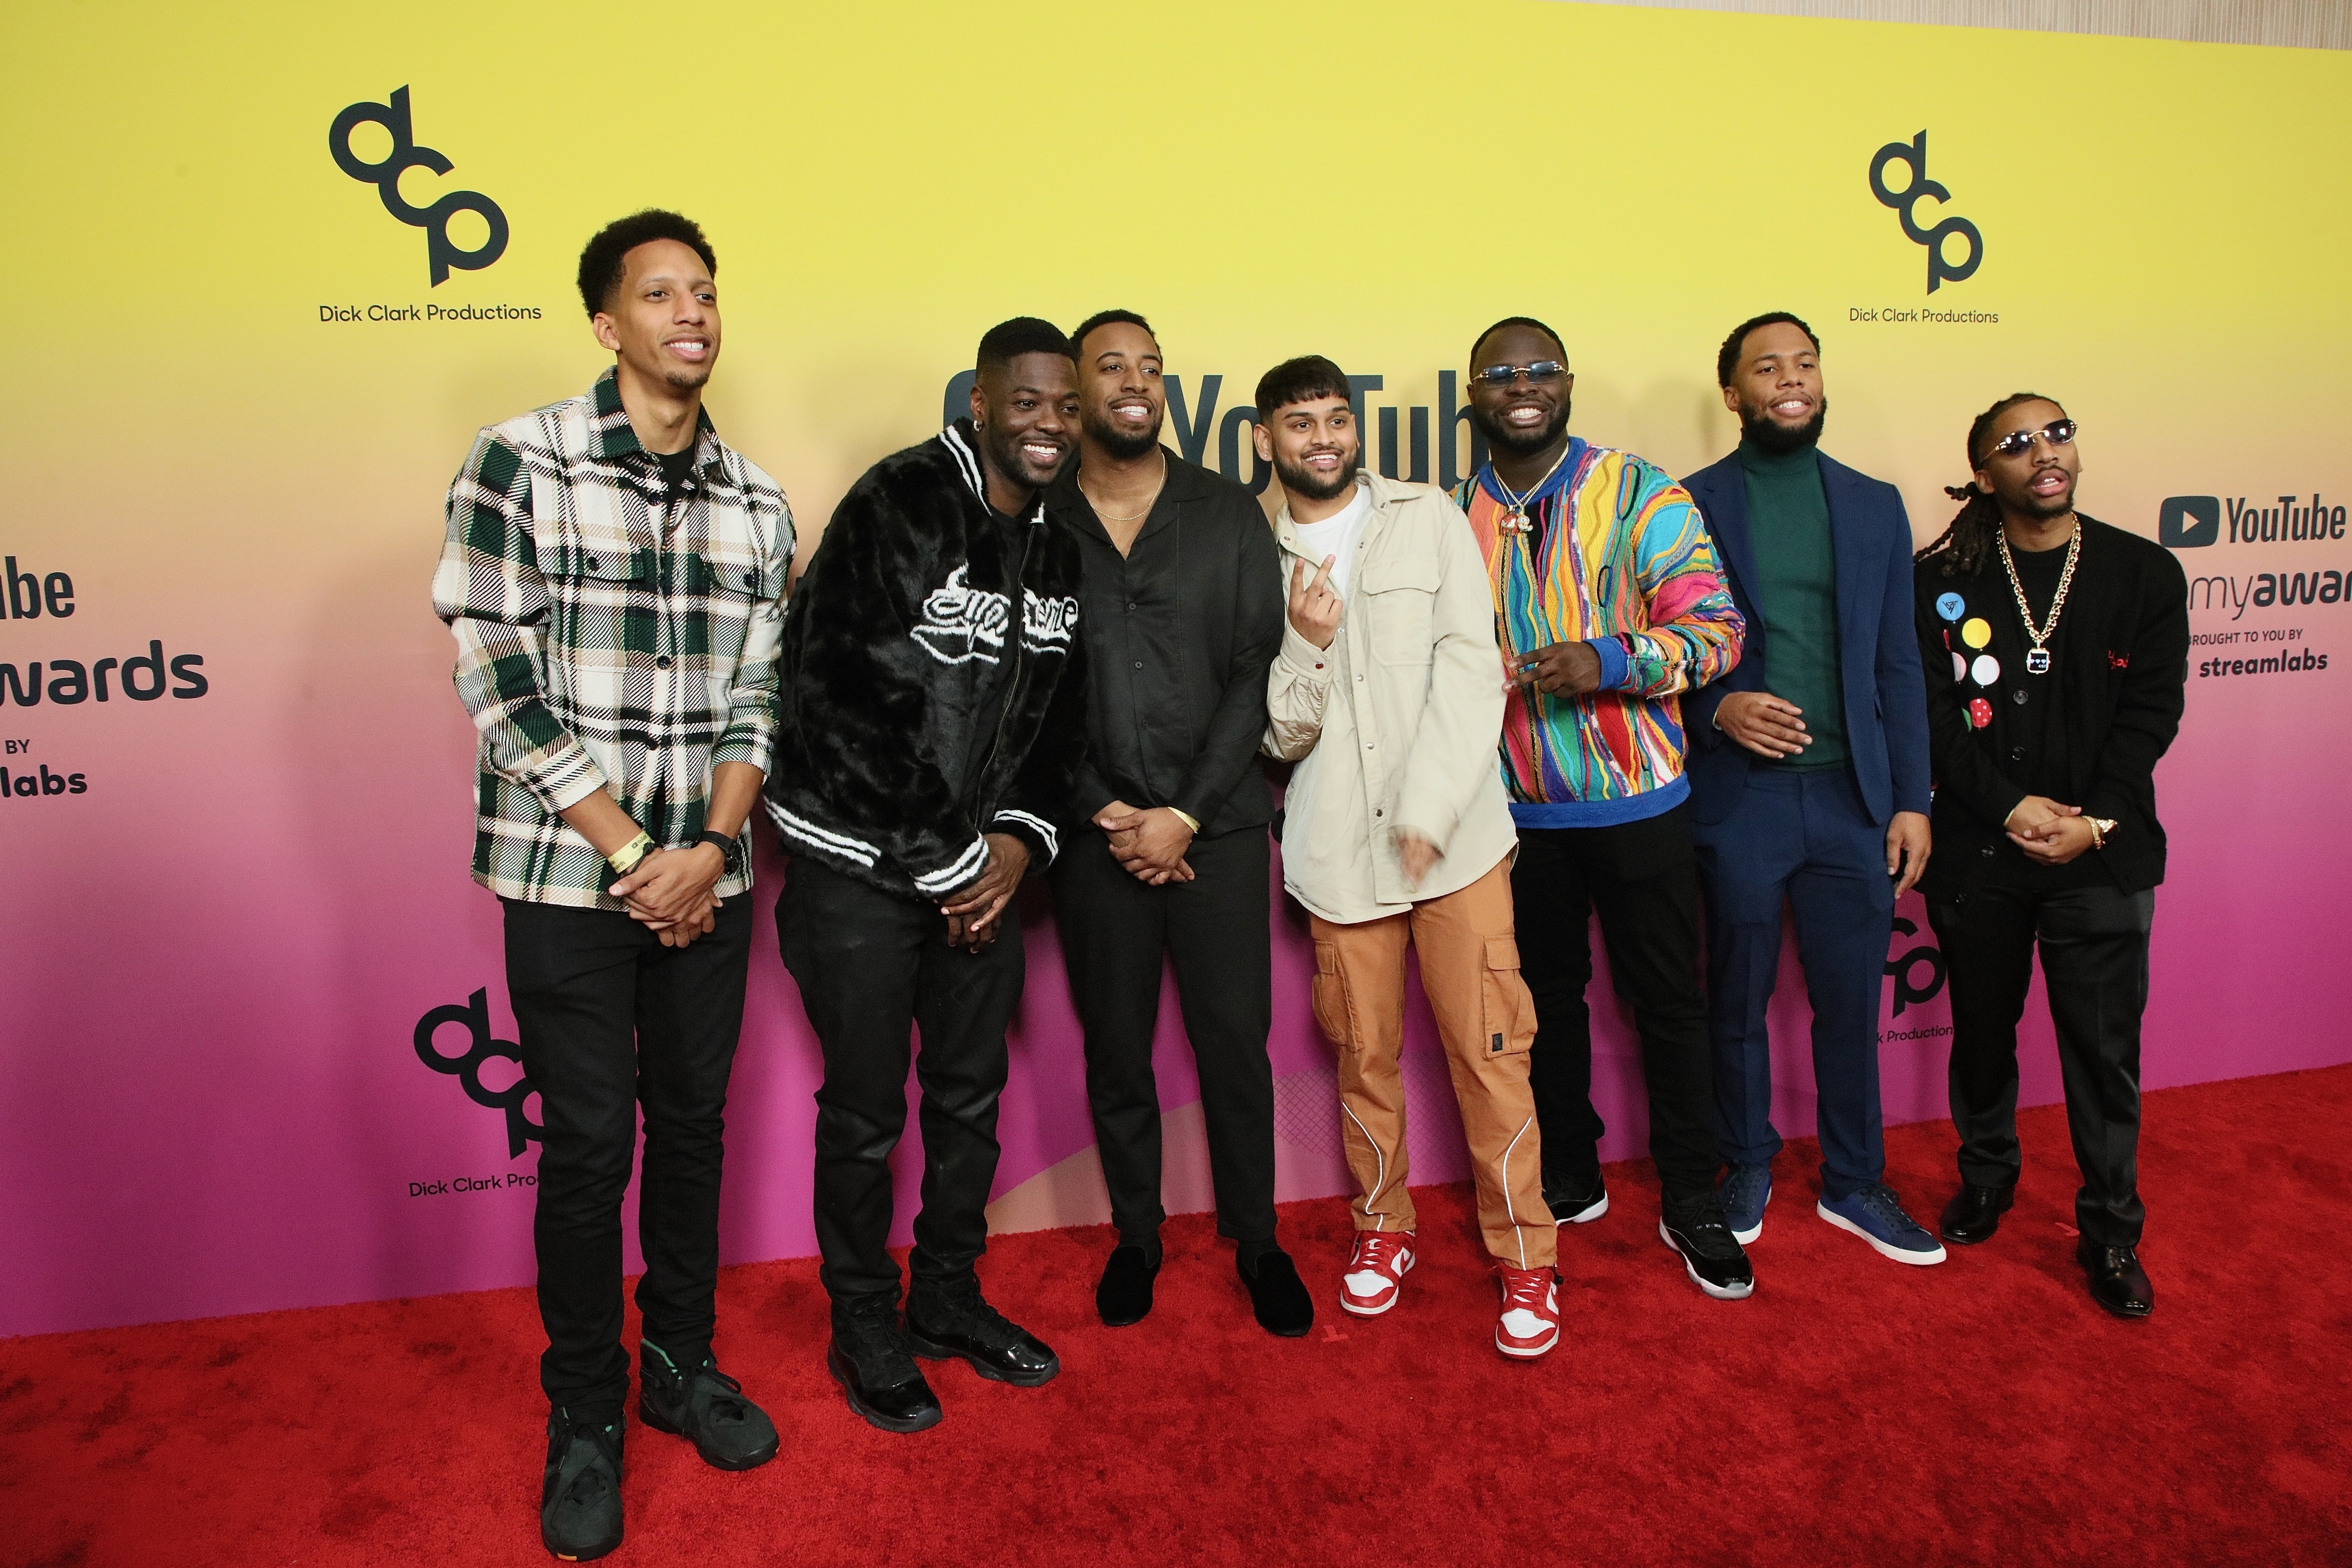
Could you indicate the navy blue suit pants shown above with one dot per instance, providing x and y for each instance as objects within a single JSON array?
[{"x": 1806, "y": 841}]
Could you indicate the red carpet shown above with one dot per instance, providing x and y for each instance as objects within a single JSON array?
[{"x": 1852, "y": 1411}]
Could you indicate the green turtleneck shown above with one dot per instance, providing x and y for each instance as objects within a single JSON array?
[{"x": 1796, "y": 595}]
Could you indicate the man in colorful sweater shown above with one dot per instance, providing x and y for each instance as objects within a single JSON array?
[{"x": 1608, "y": 604}]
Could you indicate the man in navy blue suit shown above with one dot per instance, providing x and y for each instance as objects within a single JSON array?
[{"x": 1809, "y": 778}]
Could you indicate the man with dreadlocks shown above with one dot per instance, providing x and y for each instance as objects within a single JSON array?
[
  {"x": 2057, "y": 656},
  {"x": 1809, "y": 778}
]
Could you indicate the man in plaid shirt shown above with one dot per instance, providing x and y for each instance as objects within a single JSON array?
[{"x": 615, "y": 574}]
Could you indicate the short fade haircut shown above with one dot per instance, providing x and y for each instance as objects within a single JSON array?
[
  {"x": 1301, "y": 380},
  {"x": 1727, "y": 359},
  {"x": 1008, "y": 341},
  {"x": 1109, "y": 318},
  {"x": 603, "y": 263},
  {"x": 1480, "y": 340}
]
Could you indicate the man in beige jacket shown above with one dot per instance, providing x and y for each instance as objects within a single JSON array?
[{"x": 1388, "y": 693}]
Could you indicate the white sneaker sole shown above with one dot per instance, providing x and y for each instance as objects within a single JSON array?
[
  {"x": 1747, "y": 1238},
  {"x": 1916, "y": 1259},
  {"x": 1584, "y": 1216},
  {"x": 1525, "y": 1352},
  {"x": 1720, "y": 1293},
  {"x": 1348, "y": 1306}
]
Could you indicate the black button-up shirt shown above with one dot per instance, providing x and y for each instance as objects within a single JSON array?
[{"x": 1180, "y": 634}]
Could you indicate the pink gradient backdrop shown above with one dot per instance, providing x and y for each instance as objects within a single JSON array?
[{"x": 202, "y": 1133}]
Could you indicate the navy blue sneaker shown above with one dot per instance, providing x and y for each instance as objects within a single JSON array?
[
  {"x": 1745, "y": 1190},
  {"x": 1873, "y": 1214}
]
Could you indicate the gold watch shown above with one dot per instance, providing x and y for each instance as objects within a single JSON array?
[{"x": 2100, "y": 828}]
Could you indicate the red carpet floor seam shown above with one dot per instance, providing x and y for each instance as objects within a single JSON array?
[{"x": 1852, "y": 1411}]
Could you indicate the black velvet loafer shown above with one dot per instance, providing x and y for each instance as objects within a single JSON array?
[
  {"x": 1279, "y": 1297},
  {"x": 1124, "y": 1294}
]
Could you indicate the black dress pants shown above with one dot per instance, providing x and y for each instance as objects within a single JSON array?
[
  {"x": 871, "y": 967},
  {"x": 611, "y": 1021},
  {"x": 1643, "y": 878},
  {"x": 2093, "y": 944},
  {"x": 1115, "y": 931}
]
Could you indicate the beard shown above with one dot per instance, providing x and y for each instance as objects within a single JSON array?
[
  {"x": 1121, "y": 444},
  {"x": 1004, "y": 447},
  {"x": 1301, "y": 480},
  {"x": 1501, "y": 437},
  {"x": 1761, "y": 431}
]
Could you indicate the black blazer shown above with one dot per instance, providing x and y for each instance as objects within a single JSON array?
[
  {"x": 1878, "y": 654},
  {"x": 2119, "y": 669},
  {"x": 1180, "y": 634}
]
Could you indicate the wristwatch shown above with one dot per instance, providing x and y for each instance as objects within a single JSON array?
[
  {"x": 2100, "y": 828},
  {"x": 722, "y": 842}
]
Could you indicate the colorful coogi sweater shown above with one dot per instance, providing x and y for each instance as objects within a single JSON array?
[{"x": 1617, "y": 557}]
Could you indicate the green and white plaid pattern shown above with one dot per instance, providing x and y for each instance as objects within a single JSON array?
[{"x": 610, "y": 635}]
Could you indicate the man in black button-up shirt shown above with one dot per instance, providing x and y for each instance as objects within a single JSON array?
[{"x": 1166, "y": 850}]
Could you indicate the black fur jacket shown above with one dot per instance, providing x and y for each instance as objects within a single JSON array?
[{"x": 894, "y": 755}]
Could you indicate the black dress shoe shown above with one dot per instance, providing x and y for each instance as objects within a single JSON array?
[
  {"x": 1278, "y": 1297},
  {"x": 944, "y": 1321},
  {"x": 2118, "y": 1281},
  {"x": 1124, "y": 1294},
  {"x": 1975, "y": 1214},
  {"x": 868, "y": 1358}
]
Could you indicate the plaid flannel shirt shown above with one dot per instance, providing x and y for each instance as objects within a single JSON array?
[{"x": 610, "y": 636}]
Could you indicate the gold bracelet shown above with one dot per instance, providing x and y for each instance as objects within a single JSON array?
[
  {"x": 1187, "y": 818},
  {"x": 624, "y": 860}
]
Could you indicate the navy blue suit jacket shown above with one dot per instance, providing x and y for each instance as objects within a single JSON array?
[{"x": 1878, "y": 642}]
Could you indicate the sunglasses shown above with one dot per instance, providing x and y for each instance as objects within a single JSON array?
[
  {"x": 1543, "y": 373},
  {"x": 2058, "y": 433}
]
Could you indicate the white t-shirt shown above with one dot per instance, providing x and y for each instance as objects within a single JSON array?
[{"x": 1337, "y": 534}]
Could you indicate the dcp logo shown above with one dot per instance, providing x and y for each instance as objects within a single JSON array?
[
  {"x": 475, "y": 1014},
  {"x": 405, "y": 154},
  {"x": 2185, "y": 522},
  {"x": 1913, "y": 155}
]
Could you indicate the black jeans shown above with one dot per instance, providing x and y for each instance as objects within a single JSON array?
[
  {"x": 612, "y": 1021},
  {"x": 1641, "y": 878},
  {"x": 1115, "y": 932},
  {"x": 2093, "y": 944},
  {"x": 871, "y": 967}
]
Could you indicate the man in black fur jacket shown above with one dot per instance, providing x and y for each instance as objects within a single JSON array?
[{"x": 927, "y": 735}]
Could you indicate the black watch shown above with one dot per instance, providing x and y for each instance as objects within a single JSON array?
[{"x": 725, "y": 845}]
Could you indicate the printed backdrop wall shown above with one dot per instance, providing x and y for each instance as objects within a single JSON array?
[{"x": 271, "y": 265}]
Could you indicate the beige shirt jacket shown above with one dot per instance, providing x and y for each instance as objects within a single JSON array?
[{"x": 1401, "y": 714}]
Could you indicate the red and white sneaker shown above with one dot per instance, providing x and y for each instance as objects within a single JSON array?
[
  {"x": 1530, "y": 1321},
  {"x": 1376, "y": 1272}
]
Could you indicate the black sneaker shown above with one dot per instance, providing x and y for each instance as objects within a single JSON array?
[
  {"x": 579, "y": 1500},
  {"x": 952, "y": 1320},
  {"x": 1710, "y": 1254},
  {"x": 1575, "y": 1200},
  {"x": 868, "y": 1358},
  {"x": 706, "y": 1406}
]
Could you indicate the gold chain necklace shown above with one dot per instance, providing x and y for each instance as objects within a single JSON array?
[
  {"x": 1515, "y": 514},
  {"x": 2037, "y": 661},
  {"x": 1112, "y": 518}
]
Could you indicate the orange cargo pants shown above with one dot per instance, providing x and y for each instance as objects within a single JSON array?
[{"x": 1470, "y": 971}]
